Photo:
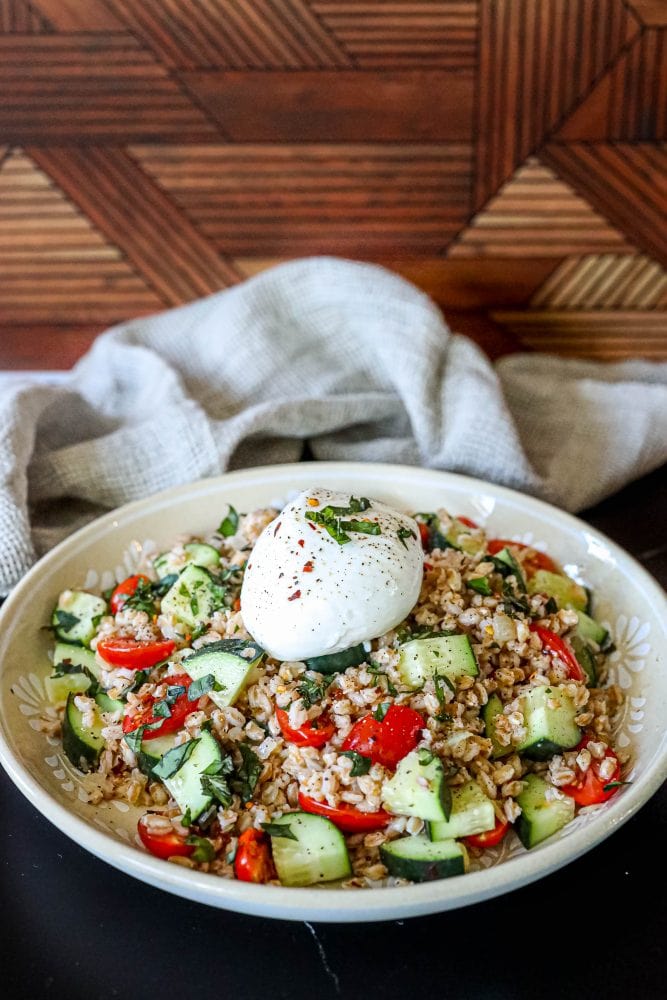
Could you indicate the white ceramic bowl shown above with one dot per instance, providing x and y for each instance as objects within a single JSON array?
[{"x": 627, "y": 599}]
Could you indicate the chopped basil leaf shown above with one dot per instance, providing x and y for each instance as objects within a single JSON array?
[
  {"x": 161, "y": 709},
  {"x": 134, "y": 738},
  {"x": 439, "y": 681},
  {"x": 279, "y": 830},
  {"x": 615, "y": 784},
  {"x": 186, "y": 818},
  {"x": 551, "y": 607},
  {"x": 229, "y": 526},
  {"x": 360, "y": 764},
  {"x": 143, "y": 598},
  {"x": 67, "y": 667},
  {"x": 204, "y": 849},
  {"x": 217, "y": 786},
  {"x": 65, "y": 620},
  {"x": 174, "y": 760},
  {"x": 247, "y": 773},
  {"x": 312, "y": 691},
  {"x": 364, "y": 527},
  {"x": 373, "y": 668},
  {"x": 381, "y": 710},
  {"x": 202, "y": 686},
  {"x": 404, "y": 533},
  {"x": 138, "y": 680},
  {"x": 480, "y": 585}
]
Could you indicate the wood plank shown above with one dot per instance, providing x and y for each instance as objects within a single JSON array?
[
  {"x": 137, "y": 216},
  {"x": 45, "y": 346},
  {"x": 91, "y": 87},
  {"x": 79, "y": 15},
  {"x": 21, "y": 17},
  {"x": 338, "y": 106},
  {"x": 650, "y": 12},
  {"x": 610, "y": 336}
]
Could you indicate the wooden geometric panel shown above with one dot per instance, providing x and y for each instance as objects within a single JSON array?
[{"x": 507, "y": 156}]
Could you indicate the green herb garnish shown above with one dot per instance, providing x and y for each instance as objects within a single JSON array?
[
  {"x": 65, "y": 620},
  {"x": 312, "y": 691},
  {"x": 615, "y": 784},
  {"x": 550, "y": 608},
  {"x": 202, "y": 686},
  {"x": 404, "y": 533},
  {"x": 143, "y": 598},
  {"x": 360, "y": 764},
  {"x": 480, "y": 585},
  {"x": 173, "y": 760},
  {"x": 204, "y": 849},
  {"x": 247, "y": 773},
  {"x": 229, "y": 526},
  {"x": 381, "y": 710},
  {"x": 278, "y": 830}
]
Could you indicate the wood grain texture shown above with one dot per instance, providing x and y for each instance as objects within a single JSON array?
[
  {"x": 333, "y": 106},
  {"x": 507, "y": 156}
]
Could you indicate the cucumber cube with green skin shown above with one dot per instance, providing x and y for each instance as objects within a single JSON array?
[
  {"x": 541, "y": 814},
  {"x": 590, "y": 630},
  {"x": 82, "y": 744},
  {"x": 185, "y": 784},
  {"x": 152, "y": 751},
  {"x": 472, "y": 812},
  {"x": 490, "y": 711},
  {"x": 333, "y": 663},
  {"x": 421, "y": 860},
  {"x": 549, "y": 714},
  {"x": 567, "y": 593},
  {"x": 58, "y": 688},
  {"x": 461, "y": 536},
  {"x": 418, "y": 788},
  {"x": 76, "y": 656},
  {"x": 447, "y": 655},
  {"x": 198, "y": 553},
  {"x": 193, "y": 597},
  {"x": 231, "y": 663},
  {"x": 76, "y": 616},
  {"x": 585, "y": 658},
  {"x": 313, "y": 850}
]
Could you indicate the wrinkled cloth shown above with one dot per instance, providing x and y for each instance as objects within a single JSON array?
[{"x": 346, "y": 356}]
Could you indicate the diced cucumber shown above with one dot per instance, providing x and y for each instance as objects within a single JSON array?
[
  {"x": 198, "y": 553},
  {"x": 567, "y": 593},
  {"x": 76, "y": 616},
  {"x": 76, "y": 656},
  {"x": 193, "y": 597},
  {"x": 461, "y": 536},
  {"x": 418, "y": 788},
  {"x": 315, "y": 851},
  {"x": 481, "y": 585},
  {"x": 185, "y": 785},
  {"x": 82, "y": 744},
  {"x": 334, "y": 663},
  {"x": 472, "y": 812},
  {"x": 506, "y": 557},
  {"x": 231, "y": 662},
  {"x": 447, "y": 655},
  {"x": 591, "y": 631},
  {"x": 59, "y": 687},
  {"x": 151, "y": 752},
  {"x": 548, "y": 714},
  {"x": 493, "y": 708},
  {"x": 585, "y": 658},
  {"x": 107, "y": 704},
  {"x": 541, "y": 816},
  {"x": 421, "y": 860}
]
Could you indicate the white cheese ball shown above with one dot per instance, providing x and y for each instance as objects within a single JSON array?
[{"x": 305, "y": 594}]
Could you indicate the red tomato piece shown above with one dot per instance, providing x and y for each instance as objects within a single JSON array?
[
  {"x": 311, "y": 734},
  {"x": 490, "y": 837},
  {"x": 163, "y": 845},
  {"x": 425, "y": 536},
  {"x": 125, "y": 590},
  {"x": 133, "y": 653},
  {"x": 531, "y": 563},
  {"x": 179, "y": 711},
  {"x": 253, "y": 861},
  {"x": 346, "y": 817},
  {"x": 555, "y": 645},
  {"x": 388, "y": 741},
  {"x": 589, "y": 789},
  {"x": 469, "y": 523}
]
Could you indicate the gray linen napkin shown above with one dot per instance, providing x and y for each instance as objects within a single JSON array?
[{"x": 347, "y": 356}]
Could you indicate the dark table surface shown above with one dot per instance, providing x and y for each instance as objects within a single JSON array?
[{"x": 73, "y": 927}]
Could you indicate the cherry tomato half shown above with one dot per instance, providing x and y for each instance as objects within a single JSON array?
[
  {"x": 163, "y": 845},
  {"x": 490, "y": 837},
  {"x": 133, "y": 653},
  {"x": 589, "y": 789},
  {"x": 125, "y": 590},
  {"x": 425, "y": 536},
  {"x": 253, "y": 861},
  {"x": 346, "y": 817},
  {"x": 555, "y": 645},
  {"x": 531, "y": 563},
  {"x": 311, "y": 734},
  {"x": 388, "y": 741},
  {"x": 469, "y": 523},
  {"x": 181, "y": 708}
]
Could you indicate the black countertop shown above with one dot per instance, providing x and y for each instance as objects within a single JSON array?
[{"x": 74, "y": 927}]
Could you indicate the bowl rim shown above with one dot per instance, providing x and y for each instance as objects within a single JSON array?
[{"x": 322, "y": 904}]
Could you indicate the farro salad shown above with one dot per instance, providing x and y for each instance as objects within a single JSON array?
[{"x": 338, "y": 691}]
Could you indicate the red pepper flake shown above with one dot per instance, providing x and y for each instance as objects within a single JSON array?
[
  {"x": 308, "y": 567},
  {"x": 311, "y": 525},
  {"x": 293, "y": 597},
  {"x": 301, "y": 542},
  {"x": 427, "y": 565},
  {"x": 277, "y": 528}
]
